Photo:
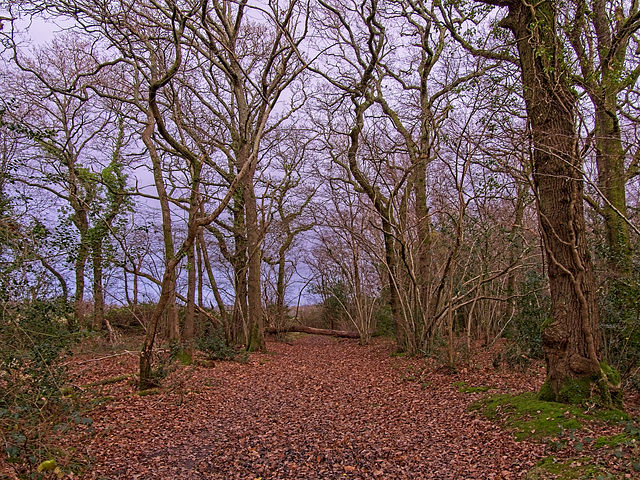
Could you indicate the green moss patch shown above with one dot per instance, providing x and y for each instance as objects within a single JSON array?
[
  {"x": 529, "y": 417},
  {"x": 590, "y": 389},
  {"x": 630, "y": 437},
  {"x": 579, "y": 468},
  {"x": 535, "y": 419},
  {"x": 568, "y": 429},
  {"x": 465, "y": 388},
  {"x": 149, "y": 391}
]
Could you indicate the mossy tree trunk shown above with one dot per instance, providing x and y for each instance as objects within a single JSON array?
[
  {"x": 571, "y": 338},
  {"x": 601, "y": 45}
]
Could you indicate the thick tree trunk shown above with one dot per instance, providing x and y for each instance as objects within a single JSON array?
[
  {"x": 254, "y": 290},
  {"x": 571, "y": 339},
  {"x": 239, "y": 322}
]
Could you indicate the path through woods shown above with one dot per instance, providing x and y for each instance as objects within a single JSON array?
[{"x": 320, "y": 408}]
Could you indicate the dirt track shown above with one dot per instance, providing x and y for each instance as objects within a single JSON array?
[{"x": 318, "y": 409}]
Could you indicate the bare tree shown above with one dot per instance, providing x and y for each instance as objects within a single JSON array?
[
  {"x": 67, "y": 161},
  {"x": 601, "y": 42}
]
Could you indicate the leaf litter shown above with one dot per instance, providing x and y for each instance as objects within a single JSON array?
[{"x": 317, "y": 408}]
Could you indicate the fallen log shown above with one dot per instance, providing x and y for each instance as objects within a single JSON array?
[{"x": 314, "y": 331}]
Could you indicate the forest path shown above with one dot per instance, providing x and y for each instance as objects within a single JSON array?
[{"x": 319, "y": 408}]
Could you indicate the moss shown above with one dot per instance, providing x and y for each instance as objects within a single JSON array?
[
  {"x": 464, "y": 387},
  {"x": 613, "y": 377},
  {"x": 533, "y": 418},
  {"x": 571, "y": 469},
  {"x": 614, "y": 440},
  {"x": 149, "y": 391},
  {"x": 546, "y": 393},
  {"x": 545, "y": 323},
  {"x": 67, "y": 391},
  {"x": 184, "y": 358},
  {"x": 481, "y": 389},
  {"x": 612, "y": 374},
  {"x": 110, "y": 380},
  {"x": 101, "y": 400},
  {"x": 530, "y": 417},
  {"x": 612, "y": 416},
  {"x": 580, "y": 391},
  {"x": 575, "y": 391}
]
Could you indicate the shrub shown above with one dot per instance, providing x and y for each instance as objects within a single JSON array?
[
  {"x": 620, "y": 317},
  {"x": 533, "y": 308},
  {"x": 384, "y": 322},
  {"x": 33, "y": 337},
  {"x": 215, "y": 346}
]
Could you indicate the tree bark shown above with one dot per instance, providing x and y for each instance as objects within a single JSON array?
[
  {"x": 239, "y": 319},
  {"x": 213, "y": 284},
  {"x": 314, "y": 331},
  {"x": 571, "y": 339},
  {"x": 188, "y": 331},
  {"x": 79, "y": 266},
  {"x": 603, "y": 83},
  {"x": 254, "y": 290},
  {"x": 612, "y": 181},
  {"x": 98, "y": 293}
]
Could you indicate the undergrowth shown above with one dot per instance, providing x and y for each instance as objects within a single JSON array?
[{"x": 34, "y": 336}]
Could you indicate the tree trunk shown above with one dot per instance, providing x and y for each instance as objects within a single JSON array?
[
  {"x": 281, "y": 310},
  {"x": 146, "y": 352},
  {"x": 515, "y": 248},
  {"x": 604, "y": 86},
  {"x": 314, "y": 331},
  {"x": 399, "y": 325},
  {"x": 612, "y": 180},
  {"x": 213, "y": 284},
  {"x": 254, "y": 290},
  {"x": 98, "y": 293},
  {"x": 188, "y": 331},
  {"x": 79, "y": 266},
  {"x": 239, "y": 260},
  {"x": 571, "y": 339}
]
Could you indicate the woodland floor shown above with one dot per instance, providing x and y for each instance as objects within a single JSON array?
[{"x": 314, "y": 408}]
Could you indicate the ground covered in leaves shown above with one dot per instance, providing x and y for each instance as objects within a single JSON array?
[{"x": 312, "y": 408}]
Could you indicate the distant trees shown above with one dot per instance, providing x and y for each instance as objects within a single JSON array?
[{"x": 63, "y": 128}]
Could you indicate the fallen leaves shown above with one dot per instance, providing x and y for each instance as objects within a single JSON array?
[{"x": 318, "y": 409}]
